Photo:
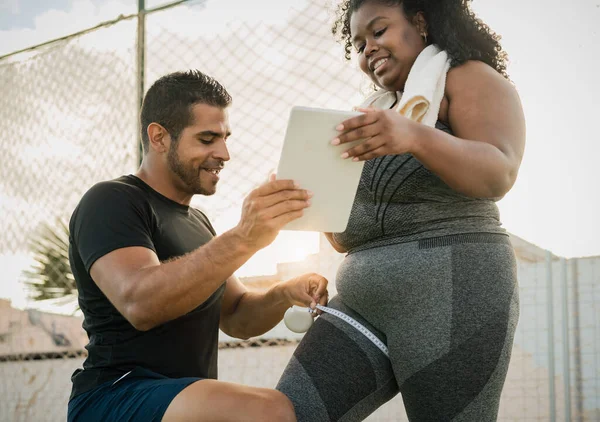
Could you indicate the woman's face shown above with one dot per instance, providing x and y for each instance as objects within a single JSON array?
[{"x": 386, "y": 42}]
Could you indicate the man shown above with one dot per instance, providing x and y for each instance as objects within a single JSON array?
[{"x": 155, "y": 282}]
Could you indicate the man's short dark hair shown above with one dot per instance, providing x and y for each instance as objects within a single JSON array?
[{"x": 170, "y": 99}]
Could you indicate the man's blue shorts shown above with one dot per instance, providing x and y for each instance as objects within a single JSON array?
[{"x": 141, "y": 395}]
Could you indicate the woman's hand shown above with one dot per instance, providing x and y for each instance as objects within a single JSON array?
[{"x": 387, "y": 132}]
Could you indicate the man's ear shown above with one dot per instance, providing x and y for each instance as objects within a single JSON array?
[{"x": 159, "y": 138}]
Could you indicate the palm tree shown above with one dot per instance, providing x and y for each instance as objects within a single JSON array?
[{"x": 50, "y": 276}]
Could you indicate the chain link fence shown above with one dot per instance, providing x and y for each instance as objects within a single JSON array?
[{"x": 69, "y": 119}]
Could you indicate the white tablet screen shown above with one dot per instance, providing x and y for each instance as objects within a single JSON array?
[{"x": 309, "y": 158}]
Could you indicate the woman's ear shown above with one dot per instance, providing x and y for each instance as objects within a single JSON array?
[{"x": 420, "y": 23}]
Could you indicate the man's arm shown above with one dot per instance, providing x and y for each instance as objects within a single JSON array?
[
  {"x": 149, "y": 293},
  {"x": 246, "y": 314}
]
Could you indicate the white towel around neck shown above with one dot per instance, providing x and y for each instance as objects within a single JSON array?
[{"x": 423, "y": 91}]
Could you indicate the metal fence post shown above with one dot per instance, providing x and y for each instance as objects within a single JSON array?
[
  {"x": 565, "y": 330},
  {"x": 140, "y": 67},
  {"x": 550, "y": 300},
  {"x": 577, "y": 358}
]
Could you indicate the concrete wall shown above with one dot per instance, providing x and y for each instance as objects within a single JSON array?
[{"x": 39, "y": 390}]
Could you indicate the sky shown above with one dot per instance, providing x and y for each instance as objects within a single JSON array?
[{"x": 554, "y": 56}]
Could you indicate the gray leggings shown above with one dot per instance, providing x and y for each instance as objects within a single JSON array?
[{"x": 447, "y": 309}]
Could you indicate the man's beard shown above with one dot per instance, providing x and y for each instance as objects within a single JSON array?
[{"x": 189, "y": 175}]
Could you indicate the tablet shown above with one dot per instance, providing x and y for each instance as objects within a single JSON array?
[{"x": 309, "y": 158}]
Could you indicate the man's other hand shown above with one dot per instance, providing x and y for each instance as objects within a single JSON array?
[
  {"x": 306, "y": 290},
  {"x": 268, "y": 209}
]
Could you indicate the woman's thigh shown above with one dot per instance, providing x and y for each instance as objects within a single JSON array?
[
  {"x": 456, "y": 370},
  {"x": 337, "y": 373}
]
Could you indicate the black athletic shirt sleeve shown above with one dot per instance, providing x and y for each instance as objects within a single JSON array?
[{"x": 111, "y": 216}]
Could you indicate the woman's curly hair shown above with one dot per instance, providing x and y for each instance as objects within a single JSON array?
[{"x": 451, "y": 24}]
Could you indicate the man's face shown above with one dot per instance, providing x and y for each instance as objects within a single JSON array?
[{"x": 200, "y": 154}]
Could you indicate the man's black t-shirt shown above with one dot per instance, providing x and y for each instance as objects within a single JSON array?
[{"x": 122, "y": 213}]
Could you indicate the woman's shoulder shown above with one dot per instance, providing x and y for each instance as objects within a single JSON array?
[
  {"x": 476, "y": 80},
  {"x": 474, "y": 75},
  {"x": 472, "y": 68},
  {"x": 472, "y": 79}
]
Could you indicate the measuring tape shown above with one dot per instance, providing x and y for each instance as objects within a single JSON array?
[{"x": 361, "y": 328}]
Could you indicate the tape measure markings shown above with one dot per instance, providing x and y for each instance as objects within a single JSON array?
[{"x": 361, "y": 328}]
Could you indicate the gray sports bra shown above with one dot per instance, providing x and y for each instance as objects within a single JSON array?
[{"x": 399, "y": 200}]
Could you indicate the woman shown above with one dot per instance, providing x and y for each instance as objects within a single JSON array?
[{"x": 429, "y": 270}]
